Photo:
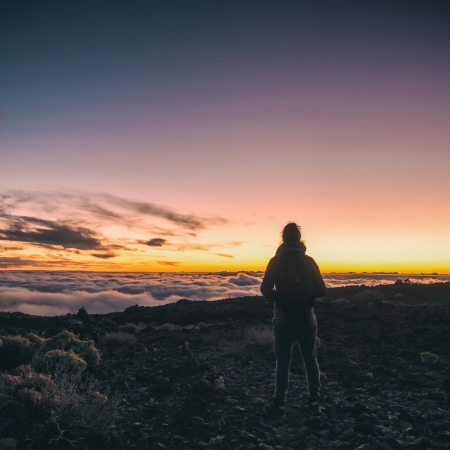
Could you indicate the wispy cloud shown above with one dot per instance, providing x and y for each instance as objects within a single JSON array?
[
  {"x": 39, "y": 263},
  {"x": 106, "y": 207},
  {"x": 78, "y": 221},
  {"x": 168, "y": 263},
  {"x": 190, "y": 247},
  {"x": 224, "y": 255}
]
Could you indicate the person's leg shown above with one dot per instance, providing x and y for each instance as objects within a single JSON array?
[
  {"x": 283, "y": 353},
  {"x": 308, "y": 348}
]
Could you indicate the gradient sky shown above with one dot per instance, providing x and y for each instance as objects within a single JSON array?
[{"x": 184, "y": 135}]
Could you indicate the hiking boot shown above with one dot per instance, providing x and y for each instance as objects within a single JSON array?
[
  {"x": 274, "y": 410},
  {"x": 313, "y": 404}
]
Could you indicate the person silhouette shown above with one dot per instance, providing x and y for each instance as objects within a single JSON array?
[{"x": 293, "y": 281}]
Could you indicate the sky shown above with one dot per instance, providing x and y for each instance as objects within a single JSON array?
[{"x": 182, "y": 136}]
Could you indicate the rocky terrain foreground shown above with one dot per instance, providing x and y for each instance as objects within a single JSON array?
[{"x": 199, "y": 373}]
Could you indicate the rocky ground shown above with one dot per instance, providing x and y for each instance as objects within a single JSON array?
[{"x": 202, "y": 383}]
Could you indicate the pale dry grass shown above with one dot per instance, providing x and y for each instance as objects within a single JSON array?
[
  {"x": 171, "y": 327},
  {"x": 118, "y": 337},
  {"x": 259, "y": 336},
  {"x": 133, "y": 327}
]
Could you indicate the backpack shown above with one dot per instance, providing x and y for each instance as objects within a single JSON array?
[{"x": 294, "y": 282}]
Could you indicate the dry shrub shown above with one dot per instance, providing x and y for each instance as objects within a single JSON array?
[
  {"x": 42, "y": 353},
  {"x": 171, "y": 327},
  {"x": 259, "y": 336},
  {"x": 133, "y": 327},
  {"x": 8, "y": 444},
  {"x": 341, "y": 301},
  {"x": 38, "y": 409},
  {"x": 67, "y": 341},
  {"x": 118, "y": 338},
  {"x": 107, "y": 323},
  {"x": 15, "y": 350},
  {"x": 53, "y": 358},
  {"x": 429, "y": 358},
  {"x": 168, "y": 327}
]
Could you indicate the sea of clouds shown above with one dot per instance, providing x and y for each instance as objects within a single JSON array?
[{"x": 57, "y": 293}]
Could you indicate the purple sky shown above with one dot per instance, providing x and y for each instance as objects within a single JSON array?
[{"x": 332, "y": 114}]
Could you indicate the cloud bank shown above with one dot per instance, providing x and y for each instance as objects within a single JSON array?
[
  {"x": 75, "y": 227},
  {"x": 57, "y": 293}
]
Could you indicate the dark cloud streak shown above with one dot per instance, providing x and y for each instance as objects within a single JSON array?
[
  {"x": 103, "y": 255},
  {"x": 156, "y": 242},
  {"x": 47, "y": 232}
]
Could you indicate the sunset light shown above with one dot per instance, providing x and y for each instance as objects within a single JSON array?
[{"x": 186, "y": 141}]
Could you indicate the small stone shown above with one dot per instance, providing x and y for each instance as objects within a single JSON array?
[
  {"x": 374, "y": 446},
  {"x": 348, "y": 434},
  {"x": 197, "y": 421},
  {"x": 385, "y": 446},
  {"x": 219, "y": 383},
  {"x": 358, "y": 408},
  {"x": 343, "y": 446},
  {"x": 157, "y": 446},
  {"x": 248, "y": 436},
  {"x": 422, "y": 442},
  {"x": 265, "y": 446},
  {"x": 364, "y": 427},
  {"x": 315, "y": 422}
]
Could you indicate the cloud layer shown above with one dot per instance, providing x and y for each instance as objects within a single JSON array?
[
  {"x": 57, "y": 293},
  {"x": 81, "y": 230}
]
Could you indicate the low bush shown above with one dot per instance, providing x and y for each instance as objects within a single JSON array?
[
  {"x": 370, "y": 295},
  {"x": 429, "y": 358},
  {"x": 15, "y": 350},
  {"x": 119, "y": 337},
  {"x": 39, "y": 352},
  {"x": 63, "y": 408},
  {"x": 169, "y": 327},
  {"x": 107, "y": 323},
  {"x": 68, "y": 341},
  {"x": 133, "y": 327},
  {"x": 53, "y": 358},
  {"x": 341, "y": 301},
  {"x": 259, "y": 336},
  {"x": 8, "y": 444}
]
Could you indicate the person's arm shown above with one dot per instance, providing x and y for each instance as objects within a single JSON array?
[
  {"x": 268, "y": 282},
  {"x": 319, "y": 288}
]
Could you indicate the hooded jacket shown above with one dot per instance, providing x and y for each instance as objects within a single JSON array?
[{"x": 268, "y": 286}]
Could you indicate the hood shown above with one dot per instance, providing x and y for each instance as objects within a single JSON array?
[{"x": 298, "y": 247}]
